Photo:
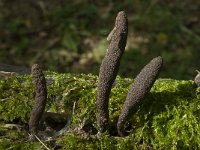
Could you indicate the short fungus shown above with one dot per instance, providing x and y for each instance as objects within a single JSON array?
[
  {"x": 40, "y": 99},
  {"x": 141, "y": 86}
]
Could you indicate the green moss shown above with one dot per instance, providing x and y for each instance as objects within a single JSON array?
[
  {"x": 20, "y": 145},
  {"x": 168, "y": 118},
  {"x": 16, "y": 98},
  {"x": 105, "y": 142}
]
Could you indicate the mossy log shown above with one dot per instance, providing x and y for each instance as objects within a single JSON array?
[{"x": 167, "y": 119}]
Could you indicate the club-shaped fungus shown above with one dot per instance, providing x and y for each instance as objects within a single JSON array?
[
  {"x": 141, "y": 86},
  {"x": 40, "y": 98},
  {"x": 197, "y": 79},
  {"x": 109, "y": 68}
]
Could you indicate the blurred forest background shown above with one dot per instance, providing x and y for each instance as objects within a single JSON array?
[{"x": 70, "y": 36}]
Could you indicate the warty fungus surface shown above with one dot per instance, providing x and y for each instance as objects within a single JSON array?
[
  {"x": 40, "y": 98},
  {"x": 141, "y": 86},
  {"x": 109, "y": 68}
]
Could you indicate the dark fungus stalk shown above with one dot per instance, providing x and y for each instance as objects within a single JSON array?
[
  {"x": 141, "y": 86},
  {"x": 40, "y": 98},
  {"x": 109, "y": 68}
]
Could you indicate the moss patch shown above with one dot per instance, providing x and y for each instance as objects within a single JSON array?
[{"x": 167, "y": 119}]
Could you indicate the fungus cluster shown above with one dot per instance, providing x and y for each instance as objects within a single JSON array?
[{"x": 108, "y": 71}]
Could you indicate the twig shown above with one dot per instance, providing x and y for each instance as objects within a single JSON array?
[
  {"x": 74, "y": 106},
  {"x": 5, "y": 99},
  {"x": 185, "y": 29},
  {"x": 41, "y": 142},
  {"x": 143, "y": 128}
]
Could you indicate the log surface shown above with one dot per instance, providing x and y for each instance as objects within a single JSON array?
[{"x": 10, "y": 70}]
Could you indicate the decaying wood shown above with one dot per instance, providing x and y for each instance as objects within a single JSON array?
[{"x": 10, "y": 70}]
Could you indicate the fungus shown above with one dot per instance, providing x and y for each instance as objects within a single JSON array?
[
  {"x": 197, "y": 79},
  {"x": 141, "y": 86},
  {"x": 40, "y": 98},
  {"x": 109, "y": 68}
]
